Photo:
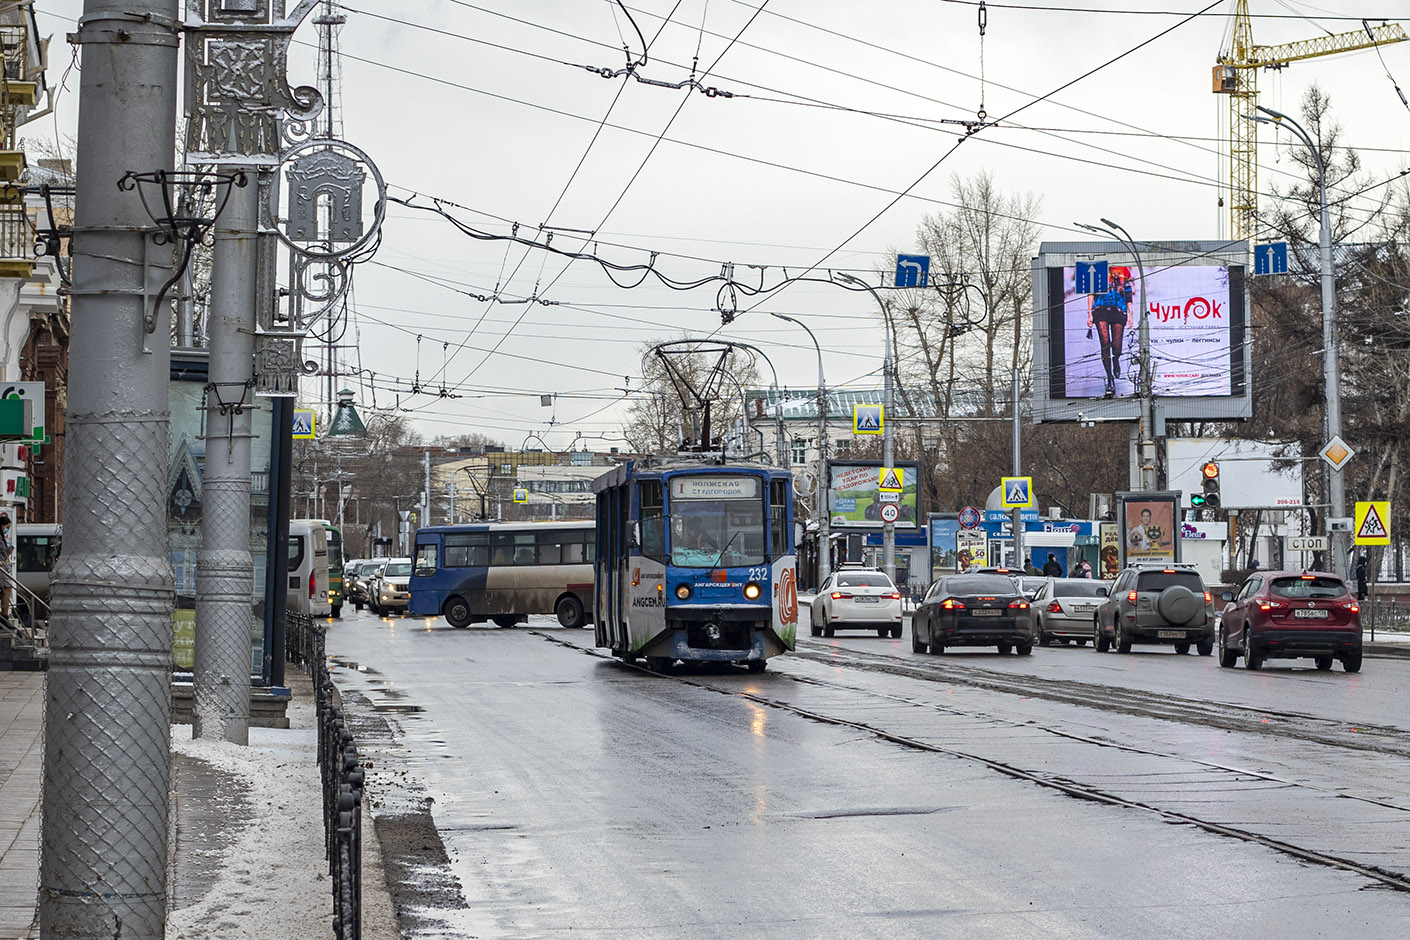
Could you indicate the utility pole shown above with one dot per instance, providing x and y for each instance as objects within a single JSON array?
[
  {"x": 1331, "y": 357},
  {"x": 425, "y": 518},
  {"x": 1017, "y": 471},
  {"x": 107, "y": 709},
  {"x": 224, "y": 576},
  {"x": 888, "y": 529},
  {"x": 824, "y": 511}
]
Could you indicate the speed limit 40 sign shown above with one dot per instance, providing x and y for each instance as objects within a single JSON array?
[{"x": 890, "y": 512}]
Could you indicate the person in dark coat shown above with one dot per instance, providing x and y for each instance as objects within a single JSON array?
[
  {"x": 1052, "y": 568},
  {"x": 1363, "y": 569}
]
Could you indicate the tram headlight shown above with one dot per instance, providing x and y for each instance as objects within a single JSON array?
[
  {"x": 752, "y": 590},
  {"x": 683, "y": 592}
]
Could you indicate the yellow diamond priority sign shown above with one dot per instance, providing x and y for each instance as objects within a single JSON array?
[
  {"x": 1372, "y": 523},
  {"x": 1336, "y": 453}
]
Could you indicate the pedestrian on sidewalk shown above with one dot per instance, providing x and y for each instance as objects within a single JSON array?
[
  {"x": 1053, "y": 567},
  {"x": 1086, "y": 570},
  {"x": 6, "y": 549}
]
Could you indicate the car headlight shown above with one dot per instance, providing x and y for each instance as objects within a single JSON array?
[
  {"x": 752, "y": 590},
  {"x": 683, "y": 592}
]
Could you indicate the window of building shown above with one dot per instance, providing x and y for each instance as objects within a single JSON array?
[{"x": 800, "y": 451}]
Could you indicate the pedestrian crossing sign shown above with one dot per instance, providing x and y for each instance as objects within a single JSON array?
[
  {"x": 1017, "y": 492},
  {"x": 1372, "y": 523},
  {"x": 891, "y": 479},
  {"x": 304, "y": 424},
  {"x": 868, "y": 419},
  {"x": 521, "y": 494}
]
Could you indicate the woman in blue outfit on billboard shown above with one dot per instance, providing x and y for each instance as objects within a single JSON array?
[{"x": 1112, "y": 314}]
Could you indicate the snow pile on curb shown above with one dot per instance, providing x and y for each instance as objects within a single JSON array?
[{"x": 272, "y": 877}]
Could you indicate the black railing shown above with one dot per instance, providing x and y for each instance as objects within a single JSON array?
[
  {"x": 343, "y": 777},
  {"x": 1386, "y": 613}
]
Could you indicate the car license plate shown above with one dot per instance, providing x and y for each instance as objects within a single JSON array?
[
  {"x": 1083, "y": 608},
  {"x": 1310, "y": 613},
  {"x": 866, "y": 600},
  {"x": 1171, "y": 634},
  {"x": 987, "y": 612}
]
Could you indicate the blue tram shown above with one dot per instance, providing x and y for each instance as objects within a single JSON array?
[{"x": 695, "y": 562}]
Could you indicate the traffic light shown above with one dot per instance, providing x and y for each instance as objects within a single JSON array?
[{"x": 1208, "y": 497}]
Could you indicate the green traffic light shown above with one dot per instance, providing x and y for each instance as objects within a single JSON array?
[{"x": 1197, "y": 501}]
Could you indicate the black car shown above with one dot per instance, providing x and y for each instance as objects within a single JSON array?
[{"x": 973, "y": 610}]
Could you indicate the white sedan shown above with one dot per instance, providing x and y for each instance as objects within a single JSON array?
[{"x": 853, "y": 599}]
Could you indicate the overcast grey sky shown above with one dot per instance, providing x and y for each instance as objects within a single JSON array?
[{"x": 836, "y": 110}]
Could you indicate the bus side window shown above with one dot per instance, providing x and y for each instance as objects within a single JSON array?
[
  {"x": 550, "y": 548},
  {"x": 425, "y": 560},
  {"x": 573, "y": 551},
  {"x": 501, "y": 549},
  {"x": 457, "y": 552},
  {"x": 589, "y": 548},
  {"x": 778, "y": 518},
  {"x": 653, "y": 519}
]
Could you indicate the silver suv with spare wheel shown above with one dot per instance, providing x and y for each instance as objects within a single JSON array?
[{"x": 1156, "y": 604}]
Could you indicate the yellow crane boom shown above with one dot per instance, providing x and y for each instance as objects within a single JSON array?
[{"x": 1236, "y": 75}]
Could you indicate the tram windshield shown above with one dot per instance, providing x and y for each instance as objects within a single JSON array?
[{"x": 717, "y": 522}]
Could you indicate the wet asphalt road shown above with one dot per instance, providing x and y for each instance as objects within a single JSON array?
[{"x": 858, "y": 789}]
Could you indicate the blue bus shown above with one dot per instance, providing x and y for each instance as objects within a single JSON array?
[
  {"x": 695, "y": 562},
  {"x": 503, "y": 572}
]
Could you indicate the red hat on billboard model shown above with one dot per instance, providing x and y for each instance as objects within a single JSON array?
[{"x": 1120, "y": 271}]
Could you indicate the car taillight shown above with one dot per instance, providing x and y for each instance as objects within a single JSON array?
[
  {"x": 1208, "y": 598},
  {"x": 1054, "y": 608},
  {"x": 952, "y": 604},
  {"x": 1265, "y": 606},
  {"x": 1018, "y": 605},
  {"x": 894, "y": 597},
  {"x": 312, "y": 584},
  {"x": 839, "y": 596},
  {"x": 1130, "y": 597},
  {"x": 1353, "y": 607}
]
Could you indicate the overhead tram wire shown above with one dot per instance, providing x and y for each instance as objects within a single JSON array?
[
  {"x": 1021, "y": 108},
  {"x": 566, "y": 186},
  {"x": 717, "y": 151},
  {"x": 625, "y": 189}
]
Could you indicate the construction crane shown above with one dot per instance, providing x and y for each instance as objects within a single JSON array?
[{"x": 1236, "y": 75}]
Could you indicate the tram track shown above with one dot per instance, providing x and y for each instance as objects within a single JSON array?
[
  {"x": 1225, "y": 716},
  {"x": 1164, "y": 707}
]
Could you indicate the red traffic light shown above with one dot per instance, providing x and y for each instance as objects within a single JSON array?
[{"x": 1210, "y": 470}]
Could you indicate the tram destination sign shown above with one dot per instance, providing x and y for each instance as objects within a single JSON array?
[{"x": 715, "y": 487}]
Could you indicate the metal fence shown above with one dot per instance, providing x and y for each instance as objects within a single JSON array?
[
  {"x": 1386, "y": 613},
  {"x": 343, "y": 777}
]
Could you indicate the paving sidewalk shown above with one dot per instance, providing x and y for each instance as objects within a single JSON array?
[{"x": 247, "y": 831}]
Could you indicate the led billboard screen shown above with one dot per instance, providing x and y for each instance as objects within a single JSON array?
[
  {"x": 1189, "y": 334},
  {"x": 1086, "y": 346}
]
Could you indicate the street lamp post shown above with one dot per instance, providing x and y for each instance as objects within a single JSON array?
[
  {"x": 888, "y": 529},
  {"x": 1331, "y": 358},
  {"x": 824, "y": 511},
  {"x": 1146, "y": 443}
]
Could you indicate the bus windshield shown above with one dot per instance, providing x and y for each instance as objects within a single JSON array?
[{"x": 717, "y": 523}]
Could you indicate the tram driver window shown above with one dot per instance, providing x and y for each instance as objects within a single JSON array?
[{"x": 653, "y": 520}]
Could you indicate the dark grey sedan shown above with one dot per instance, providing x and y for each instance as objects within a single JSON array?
[{"x": 973, "y": 610}]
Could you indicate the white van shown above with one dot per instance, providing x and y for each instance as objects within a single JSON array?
[{"x": 308, "y": 568}]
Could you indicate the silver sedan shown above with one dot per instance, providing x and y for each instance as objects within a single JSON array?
[{"x": 1063, "y": 609}]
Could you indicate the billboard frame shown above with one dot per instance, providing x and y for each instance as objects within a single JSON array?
[
  {"x": 1048, "y": 401},
  {"x": 912, "y": 479}
]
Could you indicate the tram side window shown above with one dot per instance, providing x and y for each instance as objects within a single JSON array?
[
  {"x": 653, "y": 520},
  {"x": 778, "y": 518}
]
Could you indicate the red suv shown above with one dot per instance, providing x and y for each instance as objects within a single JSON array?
[{"x": 1291, "y": 614}]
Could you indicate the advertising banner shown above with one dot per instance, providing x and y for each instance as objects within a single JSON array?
[
  {"x": 971, "y": 549},
  {"x": 855, "y": 499},
  {"x": 1110, "y": 565},
  {"x": 1149, "y": 531},
  {"x": 1189, "y": 333}
]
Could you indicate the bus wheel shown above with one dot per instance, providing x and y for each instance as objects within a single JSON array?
[
  {"x": 457, "y": 612},
  {"x": 570, "y": 611},
  {"x": 757, "y": 666}
]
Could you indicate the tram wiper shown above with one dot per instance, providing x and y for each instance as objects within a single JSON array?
[{"x": 725, "y": 549}]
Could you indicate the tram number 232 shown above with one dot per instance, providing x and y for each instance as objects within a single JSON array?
[{"x": 758, "y": 574}]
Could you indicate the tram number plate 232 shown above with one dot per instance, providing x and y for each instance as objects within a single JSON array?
[{"x": 758, "y": 574}]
